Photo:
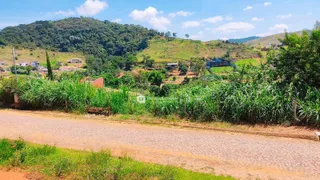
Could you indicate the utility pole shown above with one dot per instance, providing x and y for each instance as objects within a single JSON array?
[{"x": 15, "y": 65}]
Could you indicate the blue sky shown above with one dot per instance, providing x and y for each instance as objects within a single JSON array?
[{"x": 201, "y": 19}]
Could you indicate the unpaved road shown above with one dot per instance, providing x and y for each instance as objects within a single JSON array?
[{"x": 241, "y": 156}]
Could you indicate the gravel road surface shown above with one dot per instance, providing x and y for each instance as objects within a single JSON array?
[{"x": 239, "y": 155}]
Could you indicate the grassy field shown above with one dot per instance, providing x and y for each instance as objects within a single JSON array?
[
  {"x": 53, "y": 163},
  {"x": 162, "y": 50},
  {"x": 239, "y": 63},
  {"x": 27, "y": 55}
]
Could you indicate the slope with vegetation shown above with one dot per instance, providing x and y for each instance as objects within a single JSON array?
[
  {"x": 49, "y": 162},
  {"x": 37, "y": 54},
  {"x": 163, "y": 50},
  {"x": 268, "y": 41},
  {"x": 91, "y": 36}
]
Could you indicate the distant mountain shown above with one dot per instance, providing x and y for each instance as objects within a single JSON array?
[
  {"x": 243, "y": 40},
  {"x": 269, "y": 40}
]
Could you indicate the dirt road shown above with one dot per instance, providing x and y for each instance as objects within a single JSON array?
[{"x": 241, "y": 156}]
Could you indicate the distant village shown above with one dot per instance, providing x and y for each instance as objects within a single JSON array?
[{"x": 71, "y": 65}]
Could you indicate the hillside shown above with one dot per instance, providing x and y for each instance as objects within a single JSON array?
[
  {"x": 28, "y": 55},
  {"x": 91, "y": 36},
  {"x": 243, "y": 40},
  {"x": 268, "y": 40},
  {"x": 162, "y": 50}
]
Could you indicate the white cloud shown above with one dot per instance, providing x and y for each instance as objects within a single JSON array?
[
  {"x": 309, "y": 13},
  {"x": 267, "y": 3},
  {"x": 118, "y": 20},
  {"x": 229, "y": 18},
  {"x": 152, "y": 16},
  {"x": 279, "y": 28},
  {"x": 213, "y": 20},
  {"x": 248, "y": 8},
  {"x": 234, "y": 27},
  {"x": 257, "y": 19},
  {"x": 180, "y": 13},
  {"x": 198, "y": 36},
  {"x": 287, "y": 16},
  {"x": 191, "y": 24},
  {"x": 65, "y": 13},
  {"x": 92, "y": 7}
]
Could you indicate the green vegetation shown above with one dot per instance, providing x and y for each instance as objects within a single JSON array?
[
  {"x": 283, "y": 90},
  {"x": 52, "y": 162},
  {"x": 162, "y": 50},
  {"x": 36, "y": 54},
  {"x": 99, "y": 38},
  {"x": 50, "y": 73}
]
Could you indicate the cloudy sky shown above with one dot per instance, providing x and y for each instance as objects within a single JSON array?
[{"x": 201, "y": 19}]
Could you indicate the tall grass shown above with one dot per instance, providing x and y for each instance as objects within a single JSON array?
[
  {"x": 263, "y": 103},
  {"x": 55, "y": 163},
  {"x": 238, "y": 101}
]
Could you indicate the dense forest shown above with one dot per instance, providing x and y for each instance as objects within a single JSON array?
[
  {"x": 104, "y": 42},
  {"x": 80, "y": 34}
]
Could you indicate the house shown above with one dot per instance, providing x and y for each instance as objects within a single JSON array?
[
  {"x": 3, "y": 63},
  {"x": 35, "y": 64},
  {"x": 217, "y": 62},
  {"x": 172, "y": 66},
  {"x": 74, "y": 61},
  {"x": 24, "y": 64},
  {"x": 42, "y": 69}
]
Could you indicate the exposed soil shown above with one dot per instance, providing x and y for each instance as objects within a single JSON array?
[
  {"x": 239, "y": 155},
  {"x": 12, "y": 175}
]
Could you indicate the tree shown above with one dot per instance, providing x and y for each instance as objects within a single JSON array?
[
  {"x": 298, "y": 62},
  {"x": 155, "y": 78},
  {"x": 183, "y": 68},
  {"x": 148, "y": 61},
  {"x": 168, "y": 35},
  {"x": 187, "y": 36},
  {"x": 197, "y": 65},
  {"x": 128, "y": 80},
  {"x": 131, "y": 60},
  {"x": 174, "y": 35},
  {"x": 317, "y": 25},
  {"x": 50, "y": 73}
]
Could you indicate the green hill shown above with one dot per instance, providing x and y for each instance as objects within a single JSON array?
[
  {"x": 162, "y": 50},
  {"x": 88, "y": 35}
]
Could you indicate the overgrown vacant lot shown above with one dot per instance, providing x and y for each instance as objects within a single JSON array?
[
  {"x": 52, "y": 163},
  {"x": 162, "y": 50},
  {"x": 28, "y": 55}
]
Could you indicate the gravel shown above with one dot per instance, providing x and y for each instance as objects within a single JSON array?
[{"x": 239, "y": 155}]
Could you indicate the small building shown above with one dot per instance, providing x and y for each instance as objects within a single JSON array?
[
  {"x": 74, "y": 61},
  {"x": 172, "y": 66},
  {"x": 42, "y": 69},
  {"x": 35, "y": 64},
  {"x": 24, "y": 64},
  {"x": 217, "y": 62},
  {"x": 2, "y": 63}
]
